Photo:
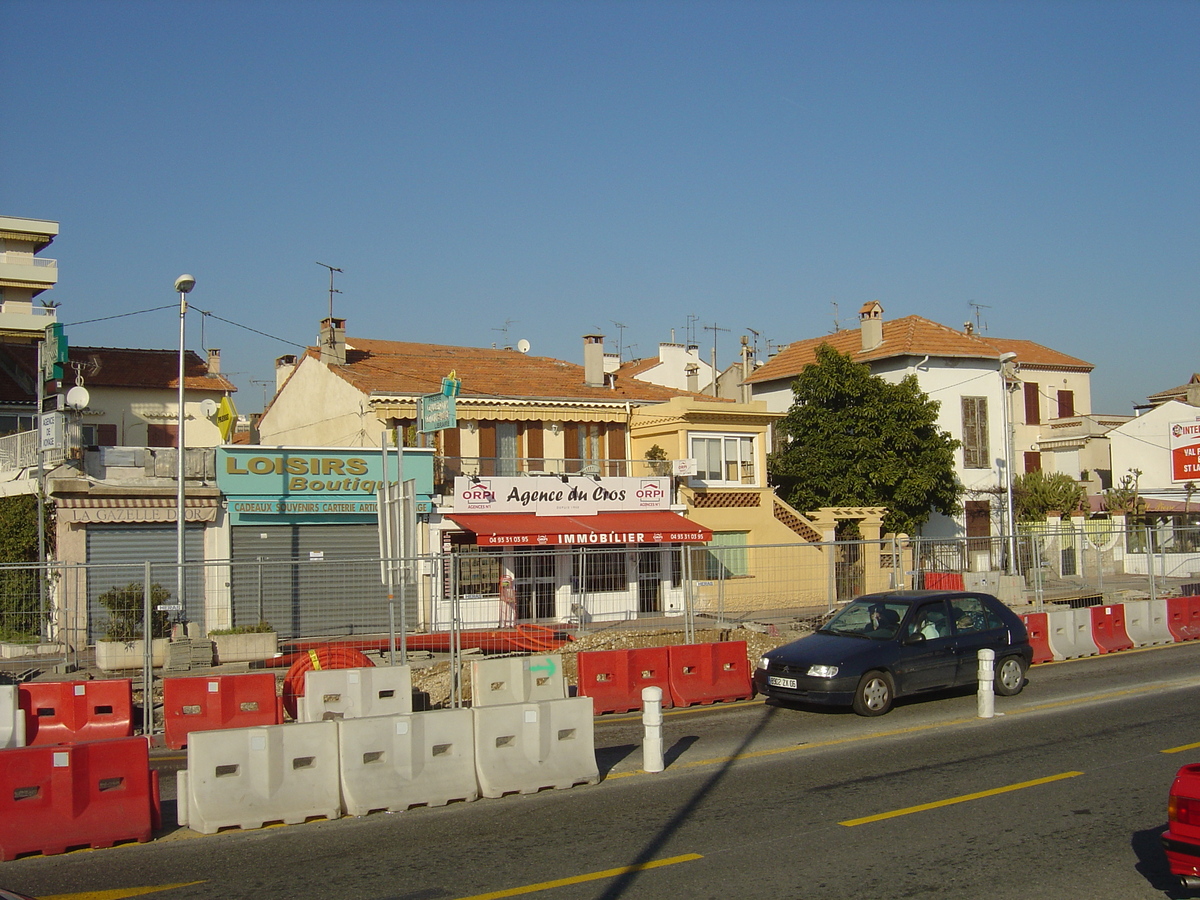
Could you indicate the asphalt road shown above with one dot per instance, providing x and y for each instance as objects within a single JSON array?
[{"x": 1063, "y": 795}]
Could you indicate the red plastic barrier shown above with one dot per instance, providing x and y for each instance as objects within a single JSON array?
[
  {"x": 709, "y": 673},
  {"x": 218, "y": 701},
  {"x": 1108, "y": 628},
  {"x": 1183, "y": 618},
  {"x": 944, "y": 581},
  {"x": 57, "y": 712},
  {"x": 1038, "y": 627},
  {"x": 614, "y": 678},
  {"x": 93, "y": 794},
  {"x": 320, "y": 658}
]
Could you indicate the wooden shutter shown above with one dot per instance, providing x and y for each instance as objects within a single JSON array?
[
  {"x": 487, "y": 448},
  {"x": 1033, "y": 461},
  {"x": 975, "y": 434},
  {"x": 1033, "y": 412},
  {"x": 106, "y": 435},
  {"x": 1066, "y": 404},
  {"x": 535, "y": 450}
]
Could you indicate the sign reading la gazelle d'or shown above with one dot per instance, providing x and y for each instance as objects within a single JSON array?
[{"x": 549, "y": 496}]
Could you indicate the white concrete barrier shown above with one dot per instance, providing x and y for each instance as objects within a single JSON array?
[
  {"x": 526, "y": 747},
  {"x": 247, "y": 777},
  {"x": 355, "y": 693},
  {"x": 12, "y": 718},
  {"x": 1069, "y": 633},
  {"x": 1146, "y": 622},
  {"x": 528, "y": 679},
  {"x": 396, "y": 762}
]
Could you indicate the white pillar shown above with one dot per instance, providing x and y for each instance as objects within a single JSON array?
[
  {"x": 652, "y": 741},
  {"x": 987, "y": 700}
]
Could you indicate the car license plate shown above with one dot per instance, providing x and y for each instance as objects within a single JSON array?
[{"x": 780, "y": 681}]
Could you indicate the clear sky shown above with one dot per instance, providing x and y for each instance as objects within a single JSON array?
[{"x": 485, "y": 171}]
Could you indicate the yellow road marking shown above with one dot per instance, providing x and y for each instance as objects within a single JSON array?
[
  {"x": 120, "y": 893},
  {"x": 850, "y": 823},
  {"x": 580, "y": 879},
  {"x": 1181, "y": 749}
]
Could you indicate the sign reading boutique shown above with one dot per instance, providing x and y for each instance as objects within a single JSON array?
[{"x": 309, "y": 484}]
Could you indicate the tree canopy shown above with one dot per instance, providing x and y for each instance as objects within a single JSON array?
[{"x": 853, "y": 439}]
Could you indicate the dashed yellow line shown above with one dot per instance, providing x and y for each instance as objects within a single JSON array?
[
  {"x": 580, "y": 879},
  {"x": 979, "y": 795}
]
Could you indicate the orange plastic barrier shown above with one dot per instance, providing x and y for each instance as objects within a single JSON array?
[
  {"x": 709, "y": 673},
  {"x": 60, "y": 711},
  {"x": 320, "y": 658},
  {"x": 1038, "y": 627},
  {"x": 1108, "y": 628},
  {"x": 93, "y": 794},
  {"x": 944, "y": 581},
  {"x": 218, "y": 701},
  {"x": 1183, "y": 618},
  {"x": 614, "y": 678}
]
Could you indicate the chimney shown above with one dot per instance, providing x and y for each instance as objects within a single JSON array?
[
  {"x": 284, "y": 366},
  {"x": 693, "y": 377},
  {"x": 593, "y": 360},
  {"x": 1193, "y": 391},
  {"x": 871, "y": 319},
  {"x": 333, "y": 342},
  {"x": 214, "y": 362}
]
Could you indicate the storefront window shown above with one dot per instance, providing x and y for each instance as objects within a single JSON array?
[
  {"x": 478, "y": 571},
  {"x": 600, "y": 571}
]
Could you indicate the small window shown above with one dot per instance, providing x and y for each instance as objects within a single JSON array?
[
  {"x": 971, "y": 616},
  {"x": 975, "y": 433},
  {"x": 725, "y": 556},
  {"x": 723, "y": 459}
]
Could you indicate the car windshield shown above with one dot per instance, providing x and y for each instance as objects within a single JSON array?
[{"x": 866, "y": 618}]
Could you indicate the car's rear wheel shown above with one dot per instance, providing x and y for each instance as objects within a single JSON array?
[
  {"x": 874, "y": 694},
  {"x": 1010, "y": 676}
]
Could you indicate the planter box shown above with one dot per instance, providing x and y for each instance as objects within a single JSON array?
[
  {"x": 113, "y": 656},
  {"x": 13, "y": 651},
  {"x": 245, "y": 647}
]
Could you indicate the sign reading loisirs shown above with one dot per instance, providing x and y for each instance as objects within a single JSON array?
[
  {"x": 1185, "y": 451},
  {"x": 311, "y": 484}
]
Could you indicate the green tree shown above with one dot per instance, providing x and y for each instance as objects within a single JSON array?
[
  {"x": 20, "y": 600},
  {"x": 853, "y": 439},
  {"x": 1036, "y": 493}
]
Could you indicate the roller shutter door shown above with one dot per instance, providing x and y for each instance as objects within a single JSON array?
[
  {"x": 310, "y": 581},
  {"x": 117, "y": 554}
]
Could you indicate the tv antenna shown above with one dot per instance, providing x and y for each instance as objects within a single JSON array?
[
  {"x": 837, "y": 326},
  {"x": 689, "y": 334},
  {"x": 504, "y": 331},
  {"x": 980, "y": 327},
  {"x": 621, "y": 326},
  {"x": 332, "y": 290},
  {"x": 754, "y": 344},
  {"x": 265, "y": 383},
  {"x": 714, "y": 329}
]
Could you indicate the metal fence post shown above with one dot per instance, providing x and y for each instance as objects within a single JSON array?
[{"x": 147, "y": 656}]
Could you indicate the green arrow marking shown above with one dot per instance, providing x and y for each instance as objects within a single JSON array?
[{"x": 549, "y": 668}]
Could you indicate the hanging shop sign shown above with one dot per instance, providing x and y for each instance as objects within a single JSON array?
[{"x": 551, "y": 496}]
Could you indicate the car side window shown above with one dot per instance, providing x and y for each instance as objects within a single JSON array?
[
  {"x": 930, "y": 622},
  {"x": 972, "y": 616}
]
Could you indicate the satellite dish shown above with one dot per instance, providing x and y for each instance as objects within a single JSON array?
[
  {"x": 208, "y": 407},
  {"x": 78, "y": 397},
  {"x": 523, "y": 345}
]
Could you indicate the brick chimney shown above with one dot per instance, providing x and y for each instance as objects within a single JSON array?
[
  {"x": 593, "y": 360},
  {"x": 871, "y": 319},
  {"x": 333, "y": 342}
]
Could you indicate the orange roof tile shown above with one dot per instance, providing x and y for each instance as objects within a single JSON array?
[
  {"x": 127, "y": 368},
  {"x": 911, "y": 336},
  {"x": 395, "y": 367}
]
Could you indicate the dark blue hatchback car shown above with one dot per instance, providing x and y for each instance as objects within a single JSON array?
[{"x": 882, "y": 646}]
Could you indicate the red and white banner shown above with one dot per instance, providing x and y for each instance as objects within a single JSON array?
[{"x": 1185, "y": 451}]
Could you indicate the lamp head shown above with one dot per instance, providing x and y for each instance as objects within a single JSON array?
[
  {"x": 184, "y": 284},
  {"x": 1007, "y": 357}
]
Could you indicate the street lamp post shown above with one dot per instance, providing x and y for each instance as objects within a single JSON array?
[
  {"x": 184, "y": 285},
  {"x": 1005, "y": 359}
]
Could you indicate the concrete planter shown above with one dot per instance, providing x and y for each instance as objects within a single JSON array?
[
  {"x": 245, "y": 647},
  {"x": 114, "y": 656},
  {"x": 13, "y": 651}
]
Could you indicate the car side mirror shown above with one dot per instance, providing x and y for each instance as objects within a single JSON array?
[{"x": 915, "y": 638}]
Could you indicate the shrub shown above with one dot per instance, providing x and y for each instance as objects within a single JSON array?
[
  {"x": 125, "y": 611},
  {"x": 259, "y": 628}
]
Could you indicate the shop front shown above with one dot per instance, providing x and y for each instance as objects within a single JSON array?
[
  {"x": 564, "y": 549},
  {"x": 304, "y": 536}
]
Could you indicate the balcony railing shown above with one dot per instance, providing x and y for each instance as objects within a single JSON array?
[
  {"x": 24, "y": 259},
  {"x": 20, "y": 450}
]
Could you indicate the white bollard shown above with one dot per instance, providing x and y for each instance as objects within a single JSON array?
[
  {"x": 652, "y": 740},
  {"x": 987, "y": 700}
]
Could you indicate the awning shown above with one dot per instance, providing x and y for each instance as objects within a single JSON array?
[{"x": 526, "y": 530}]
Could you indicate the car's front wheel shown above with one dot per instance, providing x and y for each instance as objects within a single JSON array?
[
  {"x": 1010, "y": 676},
  {"x": 874, "y": 694}
]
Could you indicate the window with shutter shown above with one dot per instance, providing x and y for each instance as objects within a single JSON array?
[{"x": 975, "y": 433}]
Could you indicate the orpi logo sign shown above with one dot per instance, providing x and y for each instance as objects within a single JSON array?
[{"x": 478, "y": 495}]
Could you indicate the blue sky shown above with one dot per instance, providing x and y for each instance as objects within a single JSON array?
[{"x": 563, "y": 166}]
